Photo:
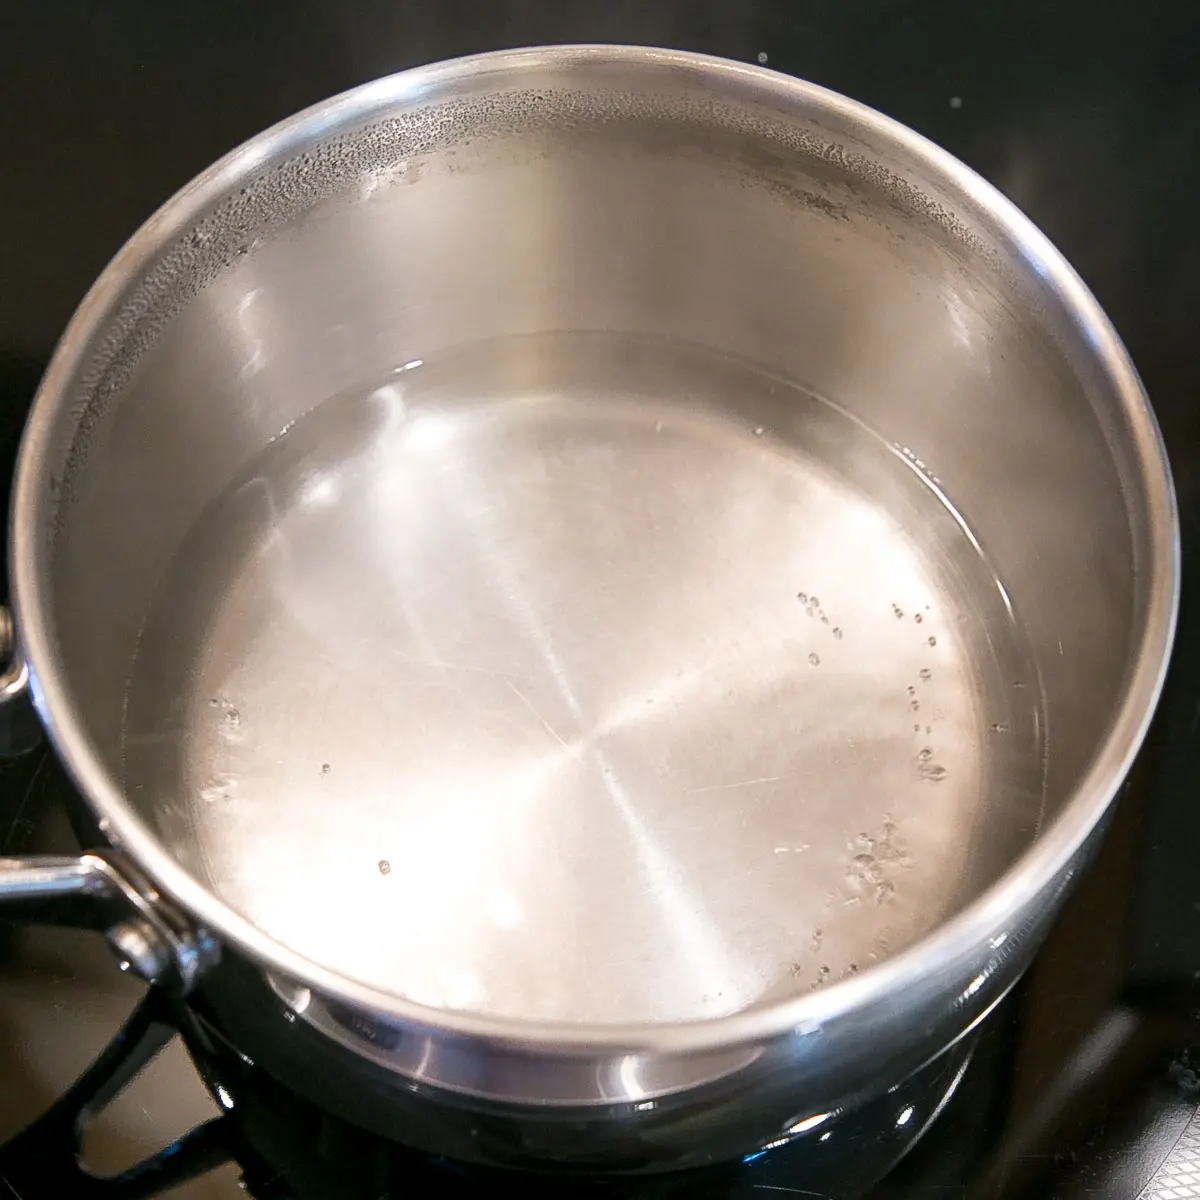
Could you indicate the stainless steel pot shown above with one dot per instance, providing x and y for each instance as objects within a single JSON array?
[{"x": 618, "y": 586}]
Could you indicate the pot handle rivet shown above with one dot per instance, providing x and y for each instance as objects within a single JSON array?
[{"x": 19, "y": 728}]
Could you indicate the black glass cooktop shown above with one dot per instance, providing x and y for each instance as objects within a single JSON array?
[{"x": 1087, "y": 1081}]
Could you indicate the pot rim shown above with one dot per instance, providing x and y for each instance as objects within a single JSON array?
[{"x": 950, "y": 945}]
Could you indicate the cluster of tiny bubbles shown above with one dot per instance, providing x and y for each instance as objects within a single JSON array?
[
  {"x": 872, "y": 858},
  {"x": 231, "y": 719},
  {"x": 218, "y": 789},
  {"x": 812, "y": 608}
]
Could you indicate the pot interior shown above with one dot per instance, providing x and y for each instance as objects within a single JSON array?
[{"x": 596, "y": 539}]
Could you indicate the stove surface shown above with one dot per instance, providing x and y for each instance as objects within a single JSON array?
[{"x": 1087, "y": 1080}]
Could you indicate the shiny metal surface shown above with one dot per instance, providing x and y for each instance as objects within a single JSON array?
[{"x": 430, "y": 537}]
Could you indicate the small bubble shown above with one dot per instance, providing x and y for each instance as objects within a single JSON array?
[
  {"x": 219, "y": 789},
  {"x": 233, "y": 718},
  {"x": 916, "y": 729},
  {"x": 837, "y": 632},
  {"x": 214, "y": 703},
  {"x": 658, "y": 427},
  {"x": 915, "y": 706},
  {"x": 815, "y": 659},
  {"x": 385, "y": 867},
  {"x": 912, "y": 691},
  {"x": 762, "y": 57},
  {"x": 928, "y": 728},
  {"x": 918, "y": 618},
  {"x": 802, "y": 597},
  {"x": 1017, "y": 683},
  {"x": 925, "y": 755},
  {"x": 999, "y": 728},
  {"x": 325, "y": 768},
  {"x": 933, "y": 641},
  {"x": 924, "y": 674},
  {"x": 884, "y": 891},
  {"x": 956, "y": 102},
  {"x": 897, "y": 611},
  {"x": 758, "y": 431},
  {"x": 814, "y": 602}
]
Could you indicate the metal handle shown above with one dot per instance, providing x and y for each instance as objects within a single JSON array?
[
  {"x": 19, "y": 728},
  {"x": 105, "y": 892},
  {"x": 101, "y": 891}
]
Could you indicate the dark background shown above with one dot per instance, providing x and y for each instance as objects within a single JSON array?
[{"x": 1085, "y": 114}]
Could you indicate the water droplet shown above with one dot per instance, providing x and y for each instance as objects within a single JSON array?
[
  {"x": 815, "y": 659},
  {"x": 837, "y": 632},
  {"x": 925, "y": 674},
  {"x": 385, "y": 867},
  {"x": 933, "y": 641}
]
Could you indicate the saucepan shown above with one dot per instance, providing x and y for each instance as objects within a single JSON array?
[{"x": 613, "y": 590}]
